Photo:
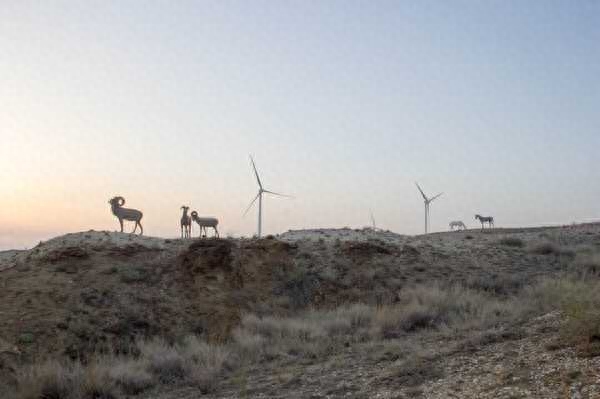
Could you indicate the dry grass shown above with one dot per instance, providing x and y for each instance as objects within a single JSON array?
[
  {"x": 164, "y": 360},
  {"x": 496, "y": 284},
  {"x": 205, "y": 363},
  {"x": 587, "y": 263},
  {"x": 414, "y": 371},
  {"x": 434, "y": 307},
  {"x": 65, "y": 381},
  {"x": 579, "y": 301},
  {"x": 478, "y": 317},
  {"x": 193, "y": 362},
  {"x": 544, "y": 248},
  {"x": 131, "y": 375},
  {"x": 319, "y": 333},
  {"x": 581, "y": 305}
]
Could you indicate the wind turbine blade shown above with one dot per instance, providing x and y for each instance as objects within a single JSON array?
[
  {"x": 422, "y": 193},
  {"x": 437, "y": 196},
  {"x": 252, "y": 203},
  {"x": 281, "y": 195},
  {"x": 255, "y": 172}
]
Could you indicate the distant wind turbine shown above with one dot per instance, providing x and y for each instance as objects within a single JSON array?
[
  {"x": 427, "y": 202},
  {"x": 261, "y": 190},
  {"x": 373, "y": 221}
]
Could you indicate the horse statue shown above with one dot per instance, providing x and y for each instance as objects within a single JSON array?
[{"x": 485, "y": 219}]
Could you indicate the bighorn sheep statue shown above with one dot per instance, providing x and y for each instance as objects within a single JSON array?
[
  {"x": 186, "y": 223},
  {"x": 485, "y": 219},
  {"x": 458, "y": 224},
  {"x": 116, "y": 205},
  {"x": 204, "y": 222}
]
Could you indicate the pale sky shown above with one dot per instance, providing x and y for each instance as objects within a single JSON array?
[{"x": 344, "y": 104}]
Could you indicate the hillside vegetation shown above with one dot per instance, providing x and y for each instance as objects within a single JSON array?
[{"x": 321, "y": 313}]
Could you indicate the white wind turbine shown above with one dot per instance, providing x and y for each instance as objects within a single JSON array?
[
  {"x": 427, "y": 202},
  {"x": 373, "y": 225},
  {"x": 261, "y": 190}
]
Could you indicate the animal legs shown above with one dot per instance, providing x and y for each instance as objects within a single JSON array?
[{"x": 121, "y": 223}]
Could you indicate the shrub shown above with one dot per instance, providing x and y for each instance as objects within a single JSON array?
[
  {"x": 582, "y": 308},
  {"x": 298, "y": 284},
  {"x": 249, "y": 345},
  {"x": 434, "y": 306},
  {"x": 47, "y": 380},
  {"x": 587, "y": 263},
  {"x": 328, "y": 273},
  {"x": 164, "y": 360},
  {"x": 391, "y": 322},
  {"x": 205, "y": 362},
  {"x": 548, "y": 294},
  {"x": 95, "y": 383},
  {"x": 26, "y": 338},
  {"x": 131, "y": 375},
  {"x": 65, "y": 381},
  {"x": 311, "y": 334},
  {"x": 512, "y": 242},
  {"x": 132, "y": 275},
  {"x": 545, "y": 248},
  {"x": 415, "y": 371},
  {"x": 503, "y": 284},
  {"x": 580, "y": 303}
]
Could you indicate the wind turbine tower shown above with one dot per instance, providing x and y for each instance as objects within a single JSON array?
[
  {"x": 259, "y": 196},
  {"x": 427, "y": 202},
  {"x": 373, "y": 225}
]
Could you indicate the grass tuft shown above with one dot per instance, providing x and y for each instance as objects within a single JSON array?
[
  {"x": 545, "y": 248},
  {"x": 512, "y": 242}
]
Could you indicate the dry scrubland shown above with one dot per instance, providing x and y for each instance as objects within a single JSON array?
[{"x": 320, "y": 313}]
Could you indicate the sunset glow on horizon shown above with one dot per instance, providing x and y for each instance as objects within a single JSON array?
[{"x": 343, "y": 105}]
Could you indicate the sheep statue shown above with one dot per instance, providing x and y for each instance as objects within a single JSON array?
[
  {"x": 204, "y": 222},
  {"x": 186, "y": 223},
  {"x": 116, "y": 205},
  {"x": 458, "y": 224}
]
